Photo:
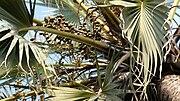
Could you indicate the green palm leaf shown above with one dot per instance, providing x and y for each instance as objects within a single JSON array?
[
  {"x": 16, "y": 51},
  {"x": 144, "y": 20},
  {"x": 109, "y": 86},
  {"x": 66, "y": 7},
  {"x": 69, "y": 94},
  {"x": 16, "y": 13},
  {"x": 144, "y": 28}
]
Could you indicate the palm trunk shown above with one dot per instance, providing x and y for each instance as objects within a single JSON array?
[{"x": 169, "y": 88}]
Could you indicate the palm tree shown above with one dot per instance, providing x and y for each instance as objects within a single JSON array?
[{"x": 109, "y": 51}]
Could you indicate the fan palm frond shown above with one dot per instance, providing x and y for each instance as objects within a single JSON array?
[
  {"x": 69, "y": 94},
  {"x": 144, "y": 29},
  {"x": 110, "y": 88},
  {"x": 16, "y": 13},
  {"x": 14, "y": 50},
  {"x": 68, "y": 8}
]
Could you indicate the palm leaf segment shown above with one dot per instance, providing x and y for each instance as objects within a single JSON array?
[
  {"x": 15, "y": 51},
  {"x": 144, "y": 28},
  {"x": 68, "y": 8},
  {"x": 16, "y": 13}
]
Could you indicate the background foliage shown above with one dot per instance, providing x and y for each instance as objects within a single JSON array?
[{"x": 98, "y": 50}]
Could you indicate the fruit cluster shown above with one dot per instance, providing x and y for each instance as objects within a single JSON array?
[{"x": 67, "y": 46}]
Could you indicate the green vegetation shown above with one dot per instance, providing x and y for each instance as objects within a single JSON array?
[{"x": 89, "y": 50}]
